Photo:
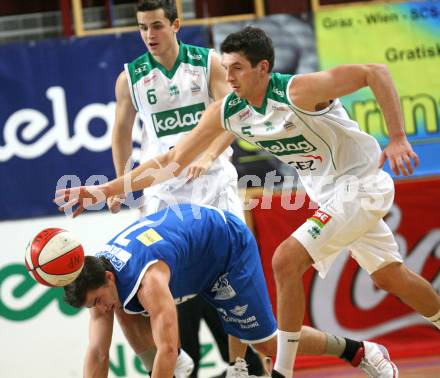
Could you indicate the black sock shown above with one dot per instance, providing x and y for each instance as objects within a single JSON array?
[
  {"x": 350, "y": 350},
  {"x": 275, "y": 374}
]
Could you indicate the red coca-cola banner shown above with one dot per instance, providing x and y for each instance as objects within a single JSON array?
[{"x": 346, "y": 302}]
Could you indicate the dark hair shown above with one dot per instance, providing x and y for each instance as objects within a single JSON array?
[
  {"x": 253, "y": 43},
  {"x": 168, "y": 6},
  {"x": 92, "y": 277}
]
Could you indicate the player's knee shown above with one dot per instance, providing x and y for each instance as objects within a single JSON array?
[
  {"x": 290, "y": 258},
  {"x": 391, "y": 278}
]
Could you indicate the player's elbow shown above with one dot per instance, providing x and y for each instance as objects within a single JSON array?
[
  {"x": 103, "y": 358},
  {"x": 176, "y": 158},
  {"x": 168, "y": 351},
  {"x": 100, "y": 355},
  {"x": 376, "y": 70},
  {"x": 170, "y": 161},
  {"x": 377, "y": 67}
]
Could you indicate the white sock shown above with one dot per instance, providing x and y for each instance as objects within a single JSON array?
[
  {"x": 435, "y": 319},
  {"x": 287, "y": 345}
]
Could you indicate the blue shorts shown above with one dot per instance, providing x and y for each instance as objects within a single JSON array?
[{"x": 240, "y": 294}]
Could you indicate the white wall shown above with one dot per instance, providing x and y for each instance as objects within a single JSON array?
[{"x": 51, "y": 344}]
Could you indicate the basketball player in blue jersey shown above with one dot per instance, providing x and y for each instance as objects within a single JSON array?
[
  {"x": 338, "y": 164},
  {"x": 168, "y": 87},
  {"x": 168, "y": 257}
]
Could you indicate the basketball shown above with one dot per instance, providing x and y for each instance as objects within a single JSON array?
[{"x": 54, "y": 257}]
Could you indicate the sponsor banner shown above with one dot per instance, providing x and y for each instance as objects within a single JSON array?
[
  {"x": 56, "y": 115},
  {"x": 51, "y": 337},
  {"x": 346, "y": 302},
  {"x": 405, "y": 37}
]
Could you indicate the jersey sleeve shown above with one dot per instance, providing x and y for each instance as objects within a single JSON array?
[{"x": 130, "y": 86}]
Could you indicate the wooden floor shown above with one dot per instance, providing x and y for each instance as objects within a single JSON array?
[{"x": 419, "y": 367}]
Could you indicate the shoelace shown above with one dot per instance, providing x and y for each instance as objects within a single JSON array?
[{"x": 240, "y": 369}]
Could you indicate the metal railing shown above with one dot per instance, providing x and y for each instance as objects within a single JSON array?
[
  {"x": 316, "y": 4},
  {"x": 80, "y": 31}
]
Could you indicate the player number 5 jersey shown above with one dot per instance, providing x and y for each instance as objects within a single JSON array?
[{"x": 322, "y": 146}]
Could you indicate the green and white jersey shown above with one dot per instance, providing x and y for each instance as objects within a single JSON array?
[
  {"x": 170, "y": 104},
  {"x": 323, "y": 146}
]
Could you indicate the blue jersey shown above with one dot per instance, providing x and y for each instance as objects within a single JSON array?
[
  {"x": 195, "y": 242},
  {"x": 209, "y": 252}
]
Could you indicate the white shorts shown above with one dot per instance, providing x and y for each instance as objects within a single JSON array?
[
  {"x": 352, "y": 220},
  {"x": 203, "y": 191}
]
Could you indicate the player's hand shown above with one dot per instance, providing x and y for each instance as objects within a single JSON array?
[
  {"x": 75, "y": 200},
  {"x": 114, "y": 203},
  {"x": 400, "y": 154},
  {"x": 198, "y": 168}
]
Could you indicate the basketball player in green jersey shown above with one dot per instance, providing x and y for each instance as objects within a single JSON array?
[
  {"x": 169, "y": 87},
  {"x": 300, "y": 120}
]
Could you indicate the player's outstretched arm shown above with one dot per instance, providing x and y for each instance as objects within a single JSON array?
[
  {"x": 218, "y": 88},
  {"x": 202, "y": 164},
  {"x": 96, "y": 361},
  {"x": 155, "y": 296},
  {"x": 151, "y": 172},
  {"x": 308, "y": 91},
  {"x": 122, "y": 143}
]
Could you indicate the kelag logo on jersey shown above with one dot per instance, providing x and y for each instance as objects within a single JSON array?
[
  {"x": 287, "y": 146},
  {"x": 177, "y": 120}
]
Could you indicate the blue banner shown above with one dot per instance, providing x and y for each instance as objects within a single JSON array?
[{"x": 56, "y": 114}]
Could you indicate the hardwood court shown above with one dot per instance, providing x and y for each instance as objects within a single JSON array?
[{"x": 417, "y": 367}]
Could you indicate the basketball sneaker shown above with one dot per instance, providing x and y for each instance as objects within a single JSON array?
[
  {"x": 374, "y": 360},
  {"x": 238, "y": 370},
  {"x": 184, "y": 365}
]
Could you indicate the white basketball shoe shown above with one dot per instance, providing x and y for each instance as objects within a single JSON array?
[
  {"x": 184, "y": 366},
  {"x": 374, "y": 360},
  {"x": 238, "y": 370}
]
